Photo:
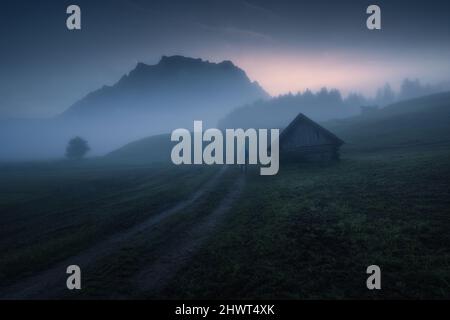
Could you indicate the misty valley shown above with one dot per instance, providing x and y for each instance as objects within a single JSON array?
[
  {"x": 132, "y": 219},
  {"x": 142, "y": 104},
  {"x": 272, "y": 150}
]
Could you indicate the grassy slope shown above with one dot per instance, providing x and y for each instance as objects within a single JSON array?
[
  {"x": 311, "y": 232},
  {"x": 148, "y": 150},
  {"x": 414, "y": 122},
  {"x": 423, "y": 120}
]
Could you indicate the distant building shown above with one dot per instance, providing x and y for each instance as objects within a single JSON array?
[{"x": 303, "y": 139}]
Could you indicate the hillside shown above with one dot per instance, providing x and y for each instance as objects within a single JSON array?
[
  {"x": 278, "y": 112},
  {"x": 309, "y": 222},
  {"x": 149, "y": 100},
  {"x": 418, "y": 121},
  {"x": 145, "y": 151},
  {"x": 175, "y": 87}
]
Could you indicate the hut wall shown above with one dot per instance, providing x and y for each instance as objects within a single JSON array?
[
  {"x": 308, "y": 143},
  {"x": 304, "y": 136}
]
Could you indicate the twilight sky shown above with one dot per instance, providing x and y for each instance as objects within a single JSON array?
[{"x": 284, "y": 45}]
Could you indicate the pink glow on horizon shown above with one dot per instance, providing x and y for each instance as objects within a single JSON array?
[
  {"x": 282, "y": 71},
  {"x": 280, "y": 75}
]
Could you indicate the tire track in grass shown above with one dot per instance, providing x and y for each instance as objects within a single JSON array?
[
  {"x": 51, "y": 283},
  {"x": 176, "y": 254}
]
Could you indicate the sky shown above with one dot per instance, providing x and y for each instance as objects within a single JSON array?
[{"x": 287, "y": 46}]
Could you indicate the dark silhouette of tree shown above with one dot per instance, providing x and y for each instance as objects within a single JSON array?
[
  {"x": 385, "y": 95},
  {"x": 323, "y": 105},
  {"x": 77, "y": 148}
]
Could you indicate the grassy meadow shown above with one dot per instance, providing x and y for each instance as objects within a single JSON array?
[
  {"x": 309, "y": 232},
  {"x": 51, "y": 211}
]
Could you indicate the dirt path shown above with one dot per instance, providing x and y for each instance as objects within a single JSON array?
[
  {"x": 178, "y": 252},
  {"x": 52, "y": 282}
]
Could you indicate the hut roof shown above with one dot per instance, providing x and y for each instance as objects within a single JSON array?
[{"x": 302, "y": 119}]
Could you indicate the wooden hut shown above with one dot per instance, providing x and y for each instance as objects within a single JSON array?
[{"x": 304, "y": 139}]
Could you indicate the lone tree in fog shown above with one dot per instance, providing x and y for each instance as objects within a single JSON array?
[{"x": 77, "y": 148}]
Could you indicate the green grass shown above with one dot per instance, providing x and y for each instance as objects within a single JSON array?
[
  {"x": 115, "y": 274},
  {"x": 52, "y": 211},
  {"x": 311, "y": 231},
  {"x": 308, "y": 232}
]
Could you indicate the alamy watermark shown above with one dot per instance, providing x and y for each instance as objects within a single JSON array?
[
  {"x": 74, "y": 280},
  {"x": 241, "y": 147},
  {"x": 73, "y": 21}
]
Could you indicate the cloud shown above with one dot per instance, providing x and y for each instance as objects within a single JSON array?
[
  {"x": 240, "y": 33},
  {"x": 261, "y": 10}
]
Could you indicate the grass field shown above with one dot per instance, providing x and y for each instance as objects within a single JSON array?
[
  {"x": 50, "y": 211},
  {"x": 309, "y": 232},
  {"x": 116, "y": 275}
]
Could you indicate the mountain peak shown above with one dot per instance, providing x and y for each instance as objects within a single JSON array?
[
  {"x": 171, "y": 63},
  {"x": 178, "y": 59},
  {"x": 198, "y": 87},
  {"x": 141, "y": 65},
  {"x": 180, "y": 62}
]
